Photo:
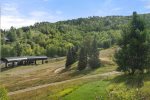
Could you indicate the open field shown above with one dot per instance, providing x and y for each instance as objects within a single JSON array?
[
  {"x": 34, "y": 75},
  {"x": 57, "y": 90},
  {"x": 51, "y": 82},
  {"x": 25, "y": 77}
]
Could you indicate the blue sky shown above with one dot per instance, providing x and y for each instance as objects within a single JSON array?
[{"x": 19, "y": 13}]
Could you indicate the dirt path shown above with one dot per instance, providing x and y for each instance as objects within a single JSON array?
[
  {"x": 58, "y": 70},
  {"x": 56, "y": 83}
]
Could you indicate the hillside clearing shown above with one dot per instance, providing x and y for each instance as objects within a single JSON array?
[
  {"x": 29, "y": 76},
  {"x": 33, "y": 80},
  {"x": 52, "y": 91},
  {"x": 105, "y": 75}
]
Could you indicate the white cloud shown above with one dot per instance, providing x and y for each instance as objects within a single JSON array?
[
  {"x": 15, "y": 21},
  {"x": 46, "y": 16},
  {"x": 12, "y": 17},
  {"x": 9, "y": 9}
]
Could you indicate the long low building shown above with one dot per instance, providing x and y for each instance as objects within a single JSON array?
[{"x": 27, "y": 60}]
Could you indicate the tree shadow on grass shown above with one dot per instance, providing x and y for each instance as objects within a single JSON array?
[
  {"x": 85, "y": 71},
  {"x": 82, "y": 72},
  {"x": 132, "y": 81}
]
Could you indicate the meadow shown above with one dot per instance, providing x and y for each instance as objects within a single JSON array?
[
  {"x": 43, "y": 82},
  {"x": 30, "y": 76}
]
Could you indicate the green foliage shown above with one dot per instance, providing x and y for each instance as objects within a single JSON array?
[
  {"x": 121, "y": 93},
  {"x": 7, "y": 50},
  {"x": 129, "y": 87},
  {"x": 94, "y": 61},
  {"x": 12, "y": 34},
  {"x": 134, "y": 49},
  {"x": 65, "y": 92},
  {"x": 144, "y": 92},
  {"x": 19, "y": 48},
  {"x": 54, "y": 39},
  {"x": 3, "y": 94},
  {"x": 71, "y": 57},
  {"x": 82, "y": 58},
  {"x": 38, "y": 50},
  {"x": 89, "y": 53}
]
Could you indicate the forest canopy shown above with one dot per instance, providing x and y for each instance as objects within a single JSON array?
[{"x": 54, "y": 39}]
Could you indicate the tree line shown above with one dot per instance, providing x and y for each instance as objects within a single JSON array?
[
  {"x": 87, "y": 54},
  {"x": 54, "y": 39},
  {"x": 133, "y": 54}
]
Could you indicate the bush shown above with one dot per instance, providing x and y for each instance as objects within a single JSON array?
[
  {"x": 121, "y": 93},
  {"x": 3, "y": 94}
]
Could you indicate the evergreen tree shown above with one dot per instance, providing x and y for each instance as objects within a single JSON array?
[
  {"x": 82, "y": 58},
  {"x": 71, "y": 57},
  {"x": 74, "y": 53},
  {"x": 133, "y": 51},
  {"x": 148, "y": 55},
  {"x": 94, "y": 61}
]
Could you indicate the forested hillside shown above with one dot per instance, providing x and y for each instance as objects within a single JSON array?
[{"x": 54, "y": 39}]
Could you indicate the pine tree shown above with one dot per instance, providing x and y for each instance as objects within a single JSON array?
[
  {"x": 94, "y": 61},
  {"x": 74, "y": 51},
  {"x": 133, "y": 51},
  {"x": 82, "y": 58},
  {"x": 71, "y": 57}
]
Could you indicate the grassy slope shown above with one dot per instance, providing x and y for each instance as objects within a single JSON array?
[
  {"x": 16, "y": 79},
  {"x": 56, "y": 91},
  {"x": 90, "y": 91},
  {"x": 121, "y": 87},
  {"x": 114, "y": 88},
  {"x": 29, "y": 76}
]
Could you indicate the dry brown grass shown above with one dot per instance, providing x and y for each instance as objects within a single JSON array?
[
  {"x": 54, "y": 92},
  {"x": 30, "y": 76}
]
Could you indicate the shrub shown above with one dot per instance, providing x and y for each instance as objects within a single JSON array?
[{"x": 3, "y": 93}]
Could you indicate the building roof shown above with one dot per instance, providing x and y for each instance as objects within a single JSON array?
[{"x": 13, "y": 59}]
